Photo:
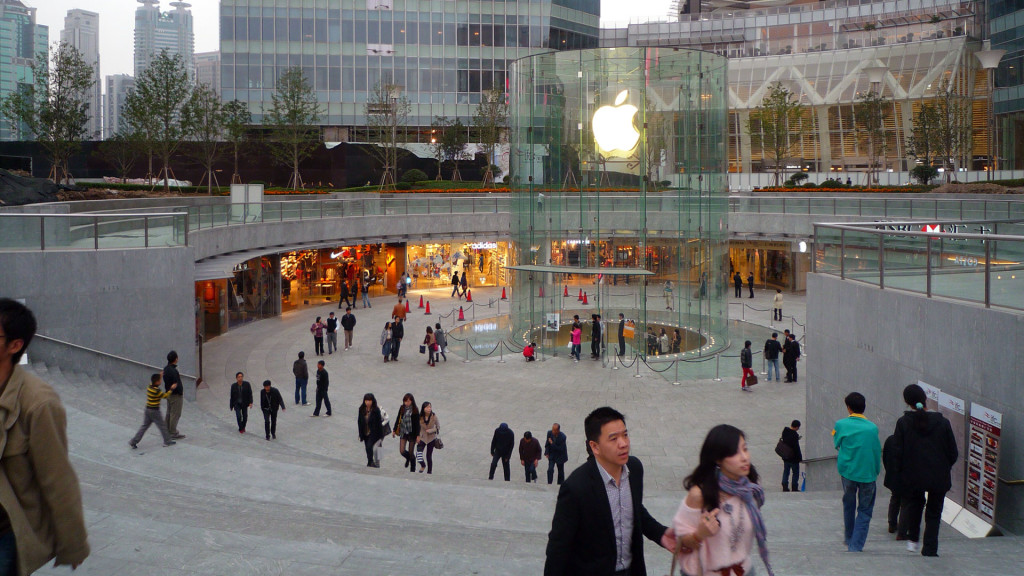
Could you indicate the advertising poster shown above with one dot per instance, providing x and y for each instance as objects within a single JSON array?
[
  {"x": 933, "y": 396},
  {"x": 551, "y": 321},
  {"x": 982, "y": 459},
  {"x": 629, "y": 330},
  {"x": 954, "y": 409}
]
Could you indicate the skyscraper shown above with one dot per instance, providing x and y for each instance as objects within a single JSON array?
[
  {"x": 118, "y": 87},
  {"x": 20, "y": 40},
  {"x": 156, "y": 31},
  {"x": 208, "y": 69},
  {"x": 82, "y": 30}
]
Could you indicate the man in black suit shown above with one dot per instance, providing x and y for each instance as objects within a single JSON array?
[
  {"x": 241, "y": 400},
  {"x": 600, "y": 516}
]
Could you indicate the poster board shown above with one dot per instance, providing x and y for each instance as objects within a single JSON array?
[
  {"x": 982, "y": 461},
  {"x": 246, "y": 202},
  {"x": 932, "y": 405},
  {"x": 629, "y": 330},
  {"x": 954, "y": 409},
  {"x": 551, "y": 321}
]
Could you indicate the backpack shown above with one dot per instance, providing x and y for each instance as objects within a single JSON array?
[{"x": 385, "y": 421}]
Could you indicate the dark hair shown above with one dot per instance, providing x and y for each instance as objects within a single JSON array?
[
  {"x": 438, "y": 325},
  {"x": 412, "y": 403},
  {"x": 794, "y": 424},
  {"x": 430, "y": 330},
  {"x": 18, "y": 323},
  {"x": 915, "y": 397},
  {"x": 237, "y": 374},
  {"x": 855, "y": 401},
  {"x": 370, "y": 397},
  {"x": 721, "y": 442},
  {"x": 171, "y": 356},
  {"x": 317, "y": 318},
  {"x": 775, "y": 334},
  {"x": 527, "y": 434},
  {"x": 266, "y": 383},
  {"x": 423, "y": 410},
  {"x": 596, "y": 420},
  {"x": 746, "y": 344},
  {"x": 154, "y": 378},
  {"x": 320, "y": 363},
  {"x": 347, "y": 309},
  {"x": 302, "y": 354}
]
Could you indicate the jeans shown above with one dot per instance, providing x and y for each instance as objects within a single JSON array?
[
  {"x": 396, "y": 343},
  {"x": 270, "y": 422},
  {"x": 321, "y": 397},
  {"x": 455, "y": 289},
  {"x": 551, "y": 471},
  {"x": 242, "y": 416},
  {"x": 371, "y": 450},
  {"x": 366, "y": 300},
  {"x": 793, "y": 467},
  {"x": 858, "y": 504},
  {"x": 332, "y": 342},
  {"x": 531, "y": 471},
  {"x": 913, "y": 504},
  {"x": 575, "y": 351},
  {"x": 777, "y": 314},
  {"x": 504, "y": 467},
  {"x": 773, "y": 363},
  {"x": 300, "y": 386},
  {"x": 8, "y": 555}
]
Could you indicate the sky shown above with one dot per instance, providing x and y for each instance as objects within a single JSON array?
[{"x": 117, "y": 23}]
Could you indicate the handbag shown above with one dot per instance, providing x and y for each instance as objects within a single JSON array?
[
  {"x": 785, "y": 451},
  {"x": 438, "y": 445},
  {"x": 423, "y": 348},
  {"x": 751, "y": 380}
]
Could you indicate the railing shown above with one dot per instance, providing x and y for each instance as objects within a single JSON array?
[
  {"x": 931, "y": 258},
  {"x": 92, "y": 231},
  {"x": 879, "y": 206},
  {"x": 108, "y": 355}
]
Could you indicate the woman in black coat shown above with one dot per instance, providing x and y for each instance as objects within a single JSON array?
[
  {"x": 925, "y": 450},
  {"x": 371, "y": 429}
]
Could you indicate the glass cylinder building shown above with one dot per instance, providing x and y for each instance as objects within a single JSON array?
[{"x": 618, "y": 176}]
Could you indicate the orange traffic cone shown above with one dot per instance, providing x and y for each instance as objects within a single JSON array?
[
  {"x": 580, "y": 297},
  {"x": 469, "y": 295},
  {"x": 406, "y": 305},
  {"x": 565, "y": 292},
  {"x": 503, "y": 297},
  {"x": 427, "y": 313},
  {"x": 585, "y": 299},
  {"x": 462, "y": 315},
  {"x": 421, "y": 301}
]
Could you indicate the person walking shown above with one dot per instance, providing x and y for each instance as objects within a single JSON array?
[
  {"x": 152, "y": 414},
  {"x": 925, "y": 451},
  {"x": 317, "y": 330},
  {"x": 430, "y": 345},
  {"x": 747, "y": 363},
  {"x": 270, "y": 402},
  {"x": 40, "y": 497},
  {"x": 397, "y": 333},
  {"x": 577, "y": 341},
  {"x": 622, "y": 335},
  {"x": 777, "y": 305},
  {"x": 240, "y": 400},
  {"x": 455, "y": 284},
  {"x": 355, "y": 291},
  {"x": 502, "y": 444},
  {"x": 750, "y": 283},
  {"x": 407, "y": 428},
  {"x": 343, "y": 294},
  {"x": 595, "y": 337},
  {"x": 790, "y": 356},
  {"x": 348, "y": 324},
  {"x": 891, "y": 480},
  {"x": 430, "y": 427},
  {"x": 859, "y": 462},
  {"x": 677, "y": 341},
  {"x": 772, "y": 348},
  {"x": 370, "y": 423},
  {"x": 366, "y": 292},
  {"x": 556, "y": 450},
  {"x": 737, "y": 282},
  {"x": 668, "y": 294},
  {"x": 664, "y": 345},
  {"x": 385, "y": 342},
  {"x": 720, "y": 518},
  {"x": 301, "y": 372},
  {"x": 529, "y": 456},
  {"x": 332, "y": 333},
  {"x": 464, "y": 282},
  {"x": 791, "y": 462},
  {"x": 600, "y": 517},
  {"x": 322, "y": 383},
  {"x": 398, "y": 311},
  {"x": 177, "y": 397},
  {"x": 442, "y": 341}
]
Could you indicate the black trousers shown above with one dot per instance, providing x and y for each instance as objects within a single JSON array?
[
  {"x": 504, "y": 467},
  {"x": 242, "y": 416},
  {"x": 318, "y": 345},
  {"x": 622, "y": 346},
  {"x": 551, "y": 471},
  {"x": 270, "y": 422},
  {"x": 895, "y": 504},
  {"x": 321, "y": 397},
  {"x": 595, "y": 348},
  {"x": 396, "y": 343},
  {"x": 369, "y": 442},
  {"x": 790, "y": 369},
  {"x": 739, "y": 290},
  {"x": 913, "y": 505}
]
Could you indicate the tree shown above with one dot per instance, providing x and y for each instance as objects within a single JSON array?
[
  {"x": 924, "y": 173},
  {"x": 491, "y": 120},
  {"x": 203, "y": 120},
  {"x": 154, "y": 109},
  {"x": 55, "y": 107},
  {"x": 292, "y": 120},
  {"x": 437, "y": 130},
  {"x": 237, "y": 121},
  {"x": 954, "y": 139},
  {"x": 140, "y": 128},
  {"x": 387, "y": 111},
  {"x": 922, "y": 143},
  {"x": 454, "y": 141},
  {"x": 121, "y": 152},
  {"x": 777, "y": 127},
  {"x": 870, "y": 112}
]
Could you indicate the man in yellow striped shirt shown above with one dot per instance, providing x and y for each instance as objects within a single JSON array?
[{"x": 151, "y": 415}]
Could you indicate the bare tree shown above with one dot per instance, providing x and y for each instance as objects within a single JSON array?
[
  {"x": 870, "y": 113},
  {"x": 437, "y": 130},
  {"x": 237, "y": 121},
  {"x": 387, "y": 111},
  {"x": 491, "y": 120},
  {"x": 777, "y": 127},
  {"x": 923, "y": 142},
  {"x": 54, "y": 109},
  {"x": 292, "y": 119},
  {"x": 203, "y": 121},
  {"x": 955, "y": 136},
  {"x": 121, "y": 152}
]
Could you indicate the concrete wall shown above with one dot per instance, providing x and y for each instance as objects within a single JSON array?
[{"x": 863, "y": 339}]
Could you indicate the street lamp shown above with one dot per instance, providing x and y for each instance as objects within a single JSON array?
[
  {"x": 876, "y": 74},
  {"x": 989, "y": 60}
]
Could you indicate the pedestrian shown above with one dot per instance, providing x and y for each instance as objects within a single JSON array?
[
  {"x": 322, "y": 383},
  {"x": 556, "y": 450},
  {"x": 397, "y": 333},
  {"x": 925, "y": 451},
  {"x": 407, "y": 428},
  {"x": 529, "y": 352},
  {"x": 859, "y": 462},
  {"x": 398, "y": 311},
  {"x": 790, "y": 356},
  {"x": 355, "y": 292},
  {"x": 891, "y": 480},
  {"x": 177, "y": 398},
  {"x": 772, "y": 347},
  {"x": 664, "y": 345},
  {"x": 301, "y": 372},
  {"x": 152, "y": 413},
  {"x": 577, "y": 340},
  {"x": 777, "y": 305},
  {"x": 502, "y": 444},
  {"x": 464, "y": 282},
  {"x": 442, "y": 341},
  {"x": 791, "y": 462},
  {"x": 750, "y": 283},
  {"x": 385, "y": 342},
  {"x": 720, "y": 518},
  {"x": 737, "y": 281},
  {"x": 595, "y": 337},
  {"x": 317, "y": 329},
  {"x": 529, "y": 456},
  {"x": 668, "y": 294},
  {"x": 455, "y": 283},
  {"x": 622, "y": 335},
  {"x": 343, "y": 294},
  {"x": 270, "y": 402},
  {"x": 370, "y": 423},
  {"x": 40, "y": 498},
  {"x": 747, "y": 363},
  {"x": 677, "y": 341},
  {"x": 429, "y": 346},
  {"x": 240, "y": 400},
  {"x": 348, "y": 323},
  {"x": 602, "y": 501},
  {"x": 430, "y": 427},
  {"x": 332, "y": 333},
  {"x": 366, "y": 292},
  {"x": 652, "y": 342}
]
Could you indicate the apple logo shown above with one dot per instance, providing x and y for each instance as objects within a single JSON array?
[{"x": 613, "y": 125}]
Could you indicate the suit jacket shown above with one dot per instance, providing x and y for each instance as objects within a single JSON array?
[
  {"x": 271, "y": 401},
  {"x": 241, "y": 397},
  {"x": 582, "y": 538}
]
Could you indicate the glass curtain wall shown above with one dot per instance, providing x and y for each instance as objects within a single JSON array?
[{"x": 618, "y": 167}]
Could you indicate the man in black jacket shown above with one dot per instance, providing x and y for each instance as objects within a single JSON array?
[
  {"x": 772, "y": 347},
  {"x": 322, "y": 382},
  {"x": 270, "y": 402},
  {"x": 502, "y": 444},
  {"x": 622, "y": 334},
  {"x": 176, "y": 399},
  {"x": 240, "y": 401},
  {"x": 790, "y": 355},
  {"x": 397, "y": 333},
  {"x": 791, "y": 438},
  {"x": 557, "y": 453},
  {"x": 348, "y": 323},
  {"x": 600, "y": 515},
  {"x": 595, "y": 337}
]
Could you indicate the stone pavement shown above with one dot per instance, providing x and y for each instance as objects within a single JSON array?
[{"x": 224, "y": 503}]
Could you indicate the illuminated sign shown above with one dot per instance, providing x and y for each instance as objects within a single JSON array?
[{"x": 483, "y": 245}]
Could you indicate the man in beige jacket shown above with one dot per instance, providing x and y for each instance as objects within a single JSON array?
[{"x": 41, "y": 516}]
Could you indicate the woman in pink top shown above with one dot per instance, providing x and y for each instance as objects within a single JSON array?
[
  {"x": 720, "y": 518},
  {"x": 577, "y": 338}
]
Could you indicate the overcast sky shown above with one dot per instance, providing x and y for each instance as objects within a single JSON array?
[{"x": 117, "y": 23}]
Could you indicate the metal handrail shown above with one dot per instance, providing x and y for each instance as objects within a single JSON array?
[
  {"x": 894, "y": 205},
  {"x": 107, "y": 354},
  {"x": 819, "y": 459}
]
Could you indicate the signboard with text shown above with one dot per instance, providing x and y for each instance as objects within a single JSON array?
[
  {"x": 954, "y": 409},
  {"x": 982, "y": 462}
]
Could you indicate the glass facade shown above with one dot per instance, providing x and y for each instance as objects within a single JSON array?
[
  {"x": 619, "y": 194},
  {"x": 21, "y": 39},
  {"x": 442, "y": 53},
  {"x": 1006, "y": 32}
]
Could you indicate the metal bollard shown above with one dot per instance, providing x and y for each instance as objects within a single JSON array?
[
  {"x": 466, "y": 361},
  {"x": 718, "y": 358},
  {"x": 676, "y": 383},
  {"x": 764, "y": 368},
  {"x": 501, "y": 352},
  {"x": 637, "y": 375},
  {"x": 615, "y": 364}
]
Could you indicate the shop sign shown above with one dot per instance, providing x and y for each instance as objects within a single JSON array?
[
  {"x": 954, "y": 409},
  {"x": 483, "y": 245},
  {"x": 629, "y": 330},
  {"x": 982, "y": 458},
  {"x": 761, "y": 245}
]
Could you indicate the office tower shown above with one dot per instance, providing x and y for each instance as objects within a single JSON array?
[
  {"x": 118, "y": 87},
  {"x": 21, "y": 39},
  {"x": 156, "y": 31},
  {"x": 208, "y": 69},
  {"x": 82, "y": 31}
]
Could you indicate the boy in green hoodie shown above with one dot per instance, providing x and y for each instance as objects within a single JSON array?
[{"x": 859, "y": 462}]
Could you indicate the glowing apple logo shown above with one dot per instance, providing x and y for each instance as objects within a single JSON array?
[{"x": 613, "y": 125}]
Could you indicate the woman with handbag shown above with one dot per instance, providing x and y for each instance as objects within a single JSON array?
[
  {"x": 371, "y": 431},
  {"x": 428, "y": 440},
  {"x": 720, "y": 518},
  {"x": 385, "y": 341},
  {"x": 407, "y": 428},
  {"x": 431, "y": 346},
  {"x": 747, "y": 363}
]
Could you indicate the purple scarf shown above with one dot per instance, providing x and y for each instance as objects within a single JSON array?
[{"x": 752, "y": 496}]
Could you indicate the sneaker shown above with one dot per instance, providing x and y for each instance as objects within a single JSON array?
[
  {"x": 746, "y": 389},
  {"x": 177, "y": 436},
  {"x": 305, "y": 403},
  {"x": 171, "y": 443},
  {"x": 314, "y": 415},
  {"x": 268, "y": 437},
  {"x": 912, "y": 546},
  {"x": 328, "y": 414},
  {"x": 133, "y": 445}
]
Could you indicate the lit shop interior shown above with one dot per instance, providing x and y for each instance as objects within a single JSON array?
[{"x": 431, "y": 265}]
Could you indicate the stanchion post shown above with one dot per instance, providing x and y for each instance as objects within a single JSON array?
[
  {"x": 718, "y": 358},
  {"x": 615, "y": 364},
  {"x": 743, "y": 311},
  {"x": 676, "y": 362},
  {"x": 466, "y": 361},
  {"x": 764, "y": 368},
  {"x": 501, "y": 352},
  {"x": 637, "y": 375}
]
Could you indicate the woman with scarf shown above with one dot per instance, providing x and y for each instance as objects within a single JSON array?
[
  {"x": 429, "y": 429},
  {"x": 720, "y": 519},
  {"x": 407, "y": 428},
  {"x": 385, "y": 341}
]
